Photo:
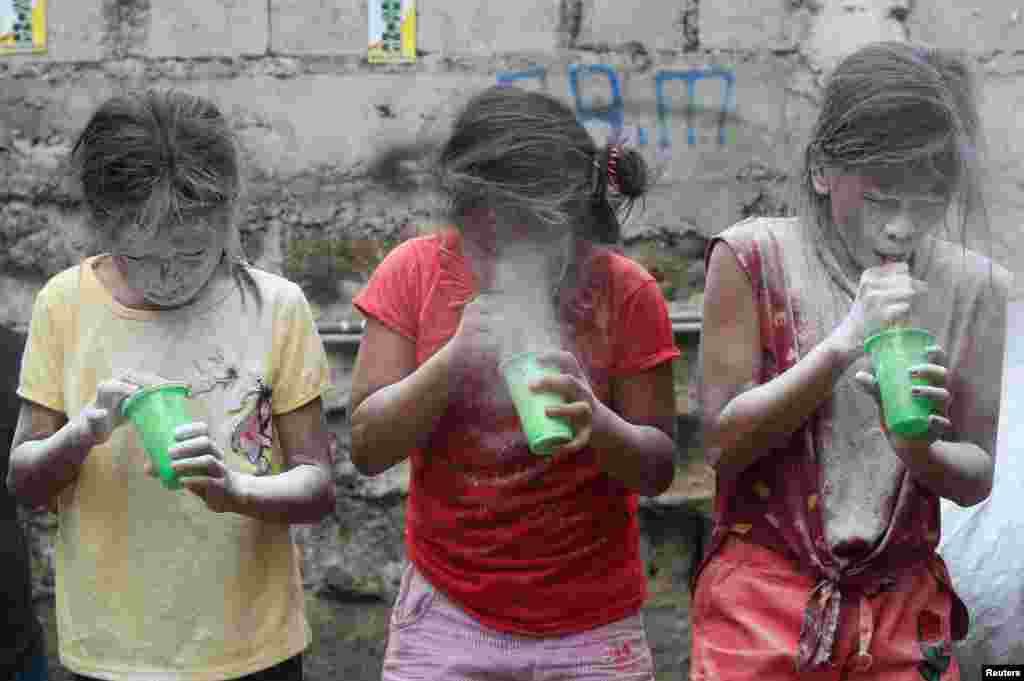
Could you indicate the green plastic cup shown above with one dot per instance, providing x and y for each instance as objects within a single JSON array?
[
  {"x": 155, "y": 412},
  {"x": 893, "y": 352},
  {"x": 543, "y": 433}
]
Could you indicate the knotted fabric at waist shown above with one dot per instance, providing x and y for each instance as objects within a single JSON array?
[{"x": 861, "y": 582}]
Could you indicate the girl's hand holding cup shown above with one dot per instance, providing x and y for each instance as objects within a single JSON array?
[
  {"x": 934, "y": 374},
  {"x": 100, "y": 418},
  {"x": 581, "y": 405},
  {"x": 199, "y": 463},
  {"x": 912, "y": 405},
  {"x": 884, "y": 299}
]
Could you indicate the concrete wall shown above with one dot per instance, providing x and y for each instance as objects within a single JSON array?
[{"x": 310, "y": 111}]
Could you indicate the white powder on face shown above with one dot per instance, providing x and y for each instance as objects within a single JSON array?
[{"x": 171, "y": 267}]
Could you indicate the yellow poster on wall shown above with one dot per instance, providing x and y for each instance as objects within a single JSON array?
[
  {"x": 22, "y": 26},
  {"x": 392, "y": 31}
]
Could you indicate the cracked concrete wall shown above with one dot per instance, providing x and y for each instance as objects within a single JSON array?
[
  {"x": 308, "y": 109},
  {"x": 303, "y": 98}
]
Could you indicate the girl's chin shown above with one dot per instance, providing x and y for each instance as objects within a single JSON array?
[
  {"x": 171, "y": 301},
  {"x": 182, "y": 297},
  {"x": 893, "y": 257}
]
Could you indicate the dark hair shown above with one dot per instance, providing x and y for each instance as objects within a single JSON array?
[
  {"x": 156, "y": 157},
  {"x": 895, "y": 105},
  {"x": 527, "y": 151}
]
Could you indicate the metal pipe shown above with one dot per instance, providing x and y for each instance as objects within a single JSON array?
[{"x": 334, "y": 334}]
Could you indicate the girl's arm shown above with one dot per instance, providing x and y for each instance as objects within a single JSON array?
[
  {"x": 959, "y": 471},
  {"x": 304, "y": 493},
  {"x": 635, "y": 442},
  {"x": 48, "y": 449},
  {"x": 394, "y": 405},
  {"x": 743, "y": 421},
  {"x": 46, "y": 454}
]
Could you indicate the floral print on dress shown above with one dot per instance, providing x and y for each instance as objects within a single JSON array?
[
  {"x": 780, "y": 319},
  {"x": 935, "y": 647}
]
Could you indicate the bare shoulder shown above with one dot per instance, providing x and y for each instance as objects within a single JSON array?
[{"x": 730, "y": 340}]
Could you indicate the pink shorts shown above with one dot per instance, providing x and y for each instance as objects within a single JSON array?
[{"x": 432, "y": 638}]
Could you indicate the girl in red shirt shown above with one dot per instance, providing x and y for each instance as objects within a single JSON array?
[{"x": 522, "y": 566}]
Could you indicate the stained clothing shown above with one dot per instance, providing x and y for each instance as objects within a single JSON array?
[
  {"x": 835, "y": 497},
  {"x": 20, "y": 633},
  {"x": 525, "y": 544},
  {"x": 432, "y": 638},
  {"x": 749, "y": 606}
]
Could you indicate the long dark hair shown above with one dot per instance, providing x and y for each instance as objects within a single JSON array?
[
  {"x": 525, "y": 150},
  {"x": 155, "y": 157},
  {"x": 904, "y": 106}
]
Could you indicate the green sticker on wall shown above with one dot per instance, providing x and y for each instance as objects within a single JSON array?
[
  {"x": 392, "y": 31},
  {"x": 22, "y": 27}
]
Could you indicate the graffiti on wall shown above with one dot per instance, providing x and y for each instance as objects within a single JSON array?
[{"x": 614, "y": 114}]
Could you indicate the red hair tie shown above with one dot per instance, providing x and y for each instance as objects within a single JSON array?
[{"x": 614, "y": 152}]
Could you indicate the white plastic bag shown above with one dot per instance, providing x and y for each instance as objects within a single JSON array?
[{"x": 984, "y": 545}]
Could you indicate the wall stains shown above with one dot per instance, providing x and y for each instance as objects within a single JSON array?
[
  {"x": 691, "y": 26},
  {"x": 570, "y": 22},
  {"x": 126, "y": 26}
]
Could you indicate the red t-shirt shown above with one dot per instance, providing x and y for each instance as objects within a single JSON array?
[{"x": 525, "y": 544}]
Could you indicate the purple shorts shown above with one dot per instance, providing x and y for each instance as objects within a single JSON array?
[{"x": 432, "y": 638}]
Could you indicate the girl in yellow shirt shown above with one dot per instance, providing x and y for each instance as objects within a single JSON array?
[{"x": 194, "y": 585}]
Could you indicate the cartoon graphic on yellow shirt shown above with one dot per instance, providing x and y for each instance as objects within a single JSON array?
[
  {"x": 248, "y": 430},
  {"x": 253, "y": 437}
]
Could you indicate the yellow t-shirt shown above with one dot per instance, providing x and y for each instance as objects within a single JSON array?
[{"x": 150, "y": 583}]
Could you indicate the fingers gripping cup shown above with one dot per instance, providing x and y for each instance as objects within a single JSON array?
[
  {"x": 543, "y": 433},
  {"x": 893, "y": 352},
  {"x": 155, "y": 412}
]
